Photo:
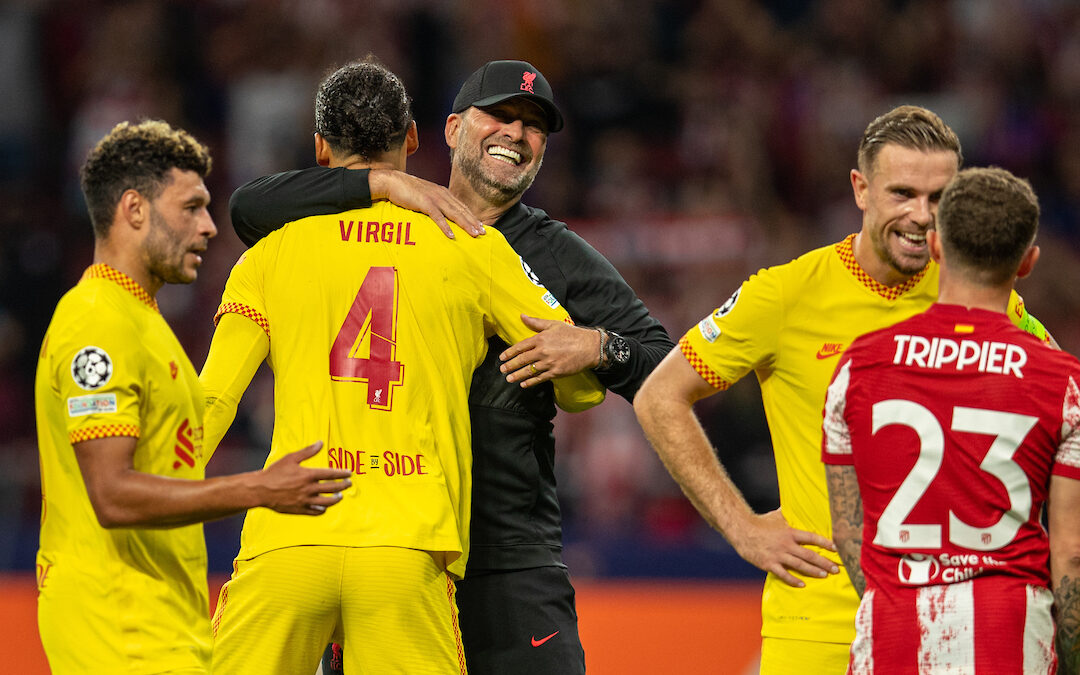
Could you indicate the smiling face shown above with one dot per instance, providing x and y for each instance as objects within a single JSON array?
[
  {"x": 180, "y": 229},
  {"x": 899, "y": 197},
  {"x": 498, "y": 149}
]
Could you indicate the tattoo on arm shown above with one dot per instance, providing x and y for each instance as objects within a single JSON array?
[
  {"x": 845, "y": 503},
  {"x": 1067, "y": 611}
]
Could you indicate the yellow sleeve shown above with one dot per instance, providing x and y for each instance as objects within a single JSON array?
[
  {"x": 1019, "y": 315},
  {"x": 515, "y": 292},
  {"x": 243, "y": 290},
  {"x": 97, "y": 372},
  {"x": 575, "y": 393},
  {"x": 740, "y": 335},
  {"x": 239, "y": 346}
]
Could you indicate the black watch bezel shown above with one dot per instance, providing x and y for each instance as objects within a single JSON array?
[{"x": 617, "y": 350}]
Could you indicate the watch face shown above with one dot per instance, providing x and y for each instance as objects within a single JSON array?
[{"x": 619, "y": 349}]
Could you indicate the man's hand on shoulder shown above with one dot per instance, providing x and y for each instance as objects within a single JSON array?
[
  {"x": 558, "y": 349},
  {"x": 426, "y": 197}
]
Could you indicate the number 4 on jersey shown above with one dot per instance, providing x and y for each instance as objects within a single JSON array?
[{"x": 372, "y": 320}]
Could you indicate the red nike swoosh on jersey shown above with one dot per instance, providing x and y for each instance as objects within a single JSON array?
[
  {"x": 537, "y": 643},
  {"x": 830, "y": 349}
]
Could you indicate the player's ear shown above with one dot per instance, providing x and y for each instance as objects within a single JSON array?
[
  {"x": 412, "y": 139},
  {"x": 132, "y": 209},
  {"x": 933, "y": 242},
  {"x": 859, "y": 184},
  {"x": 322, "y": 150},
  {"x": 453, "y": 124},
  {"x": 1027, "y": 263}
]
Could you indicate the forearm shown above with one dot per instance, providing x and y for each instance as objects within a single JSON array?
[
  {"x": 1067, "y": 614},
  {"x": 238, "y": 347},
  {"x": 142, "y": 500},
  {"x": 647, "y": 348},
  {"x": 664, "y": 409},
  {"x": 265, "y": 204},
  {"x": 1063, "y": 506},
  {"x": 678, "y": 438},
  {"x": 845, "y": 505},
  {"x": 597, "y": 295},
  {"x": 121, "y": 496}
]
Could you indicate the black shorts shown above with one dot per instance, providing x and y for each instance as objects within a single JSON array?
[
  {"x": 513, "y": 621},
  {"x": 520, "y": 621}
]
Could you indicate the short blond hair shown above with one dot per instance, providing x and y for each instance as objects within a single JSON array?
[{"x": 908, "y": 126}]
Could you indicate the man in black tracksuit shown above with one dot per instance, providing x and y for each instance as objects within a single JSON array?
[{"x": 516, "y": 602}]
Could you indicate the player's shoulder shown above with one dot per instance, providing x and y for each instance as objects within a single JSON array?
[
  {"x": 546, "y": 226},
  {"x": 521, "y": 217},
  {"x": 94, "y": 302},
  {"x": 812, "y": 267},
  {"x": 93, "y": 316},
  {"x": 493, "y": 242},
  {"x": 1060, "y": 359},
  {"x": 532, "y": 231},
  {"x": 382, "y": 222},
  {"x": 783, "y": 283}
]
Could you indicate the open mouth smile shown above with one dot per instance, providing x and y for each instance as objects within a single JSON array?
[
  {"x": 912, "y": 239},
  {"x": 505, "y": 154}
]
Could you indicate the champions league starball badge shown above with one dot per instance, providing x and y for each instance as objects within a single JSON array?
[
  {"x": 729, "y": 305},
  {"x": 529, "y": 273},
  {"x": 91, "y": 368}
]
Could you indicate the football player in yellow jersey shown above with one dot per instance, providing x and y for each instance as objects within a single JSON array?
[
  {"x": 122, "y": 561},
  {"x": 788, "y": 324},
  {"x": 373, "y": 323}
]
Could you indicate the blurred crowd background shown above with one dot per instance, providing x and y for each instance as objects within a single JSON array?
[{"x": 705, "y": 139}]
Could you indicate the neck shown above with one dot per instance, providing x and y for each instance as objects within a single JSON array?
[
  {"x": 972, "y": 296},
  {"x": 126, "y": 259},
  {"x": 486, "y": 211},
  {"x": 360, "y": 163}
]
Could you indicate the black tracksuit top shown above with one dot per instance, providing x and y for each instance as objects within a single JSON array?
[{"x": 516, "y": 522}]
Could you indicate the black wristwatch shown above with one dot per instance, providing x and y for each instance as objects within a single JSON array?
[{"x": 614, "y": 350}]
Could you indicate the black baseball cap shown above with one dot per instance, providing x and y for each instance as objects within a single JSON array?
[{"x": 497, "y": 81}]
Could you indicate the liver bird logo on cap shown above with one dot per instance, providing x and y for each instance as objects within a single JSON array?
[{"x": 527, "y": 81}]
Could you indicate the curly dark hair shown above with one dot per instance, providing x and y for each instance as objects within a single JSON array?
[
  {"x": 908, "y": 126},
  {"x": 987, "y": 219},
  {"x": 362, "y": 109},
  {"x": 136, "y": 157}
]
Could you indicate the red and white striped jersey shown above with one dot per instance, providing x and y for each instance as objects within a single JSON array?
[
  {"x": 986, "y": 625},
  {"x": 954, "y": 421}
]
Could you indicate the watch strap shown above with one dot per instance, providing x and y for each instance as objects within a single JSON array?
[{"x": 604, "y": 360}]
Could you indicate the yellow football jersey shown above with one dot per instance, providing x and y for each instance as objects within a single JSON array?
[
  {"x": 789, "y": 324},
  {"x": 376, "y": 322},
  {"x": 117, "y": 600}
]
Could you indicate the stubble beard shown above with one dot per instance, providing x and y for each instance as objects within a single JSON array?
[
  {"x": 165, "y": 252},
  {"x": 490, "y": 189},
  {"x": 902, "y": 264}
]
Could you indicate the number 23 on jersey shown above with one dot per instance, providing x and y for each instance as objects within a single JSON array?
[{"x": 1008, "y": 431}]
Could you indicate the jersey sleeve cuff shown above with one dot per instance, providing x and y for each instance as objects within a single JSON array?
[
  {"x": 103, "y": 431},
  {"x": 243, "y": 310},
  {"x": 698, "y": 364}
]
